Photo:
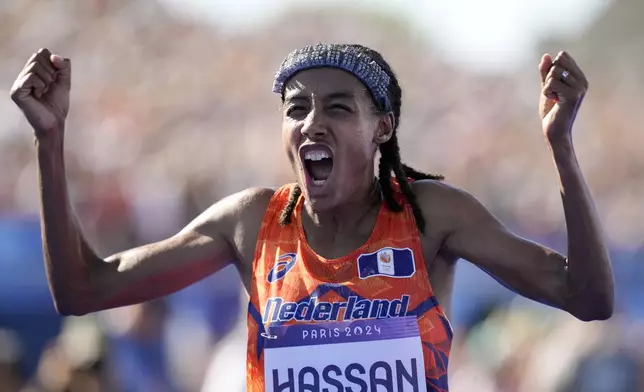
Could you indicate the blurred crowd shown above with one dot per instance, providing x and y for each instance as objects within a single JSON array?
[{"x": 169, "y": 115}]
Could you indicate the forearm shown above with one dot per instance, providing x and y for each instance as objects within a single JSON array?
[
  {"x": 590, "y": 289},
  {"x": 67, "y": 256}
]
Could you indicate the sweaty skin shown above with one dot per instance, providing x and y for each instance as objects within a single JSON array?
[{"x": 331, "y": 107}]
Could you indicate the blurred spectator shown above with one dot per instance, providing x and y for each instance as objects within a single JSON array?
[{"x": 170, "y": 114}]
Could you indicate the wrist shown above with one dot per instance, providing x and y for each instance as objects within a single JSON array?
[
  {"x": 563, "y": 156},
  {"x": 49, "y": 147},
  {"x": 561, "y": 146}
]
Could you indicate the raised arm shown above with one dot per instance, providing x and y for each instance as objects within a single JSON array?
[
  {"x": 79, "y": 280},
  {"x": 582, "y": 283}
]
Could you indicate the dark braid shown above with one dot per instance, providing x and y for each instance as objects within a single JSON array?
[
  {"x": 287, "y": 212},
  {"x": 390, "y": 161},
  {"x": 389, "y": 154}
]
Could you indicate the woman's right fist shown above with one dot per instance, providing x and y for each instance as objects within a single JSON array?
[{"x": 41, "y": 91}]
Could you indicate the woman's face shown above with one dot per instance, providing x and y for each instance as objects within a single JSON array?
[{"x": 330, "y": 131}]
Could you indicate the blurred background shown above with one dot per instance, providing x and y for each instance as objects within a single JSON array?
[{"x": 172, "y": 110}]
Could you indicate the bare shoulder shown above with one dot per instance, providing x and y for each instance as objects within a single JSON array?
[
  {"x": 249, "y": 207},
  {"x": 447, "y": 204},
  {"x": 243, "y": 208},
  {"x": 433, "y": 189}
]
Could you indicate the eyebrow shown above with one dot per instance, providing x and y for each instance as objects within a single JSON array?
[{"x": 298, "y": 96}]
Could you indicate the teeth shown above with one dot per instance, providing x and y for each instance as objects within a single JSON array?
[
  {"x": 316, "y": 155},
  {"x": 319, "y": 182}
]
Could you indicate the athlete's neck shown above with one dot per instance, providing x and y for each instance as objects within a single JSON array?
[{"x": 348, "y": 217}]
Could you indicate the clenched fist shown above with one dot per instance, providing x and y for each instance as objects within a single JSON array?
[
  {"x": 563, "y": 88},
  {"x": 41, "y": 91}
]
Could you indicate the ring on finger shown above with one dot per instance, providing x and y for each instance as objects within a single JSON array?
[{"x": 564, "y": 75}]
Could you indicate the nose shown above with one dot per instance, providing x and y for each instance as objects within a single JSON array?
[{"x": 315, "y": 125}]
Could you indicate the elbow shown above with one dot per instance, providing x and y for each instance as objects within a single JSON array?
[
  {"x": 593, "y": 308},
  {"x": 66, "y": 307},
  {"x": 66, "y": 310},
  {"x": 69, "y": 310},
  {"x": 73, "y": 298},
  {"x": 600, "y": 314}
]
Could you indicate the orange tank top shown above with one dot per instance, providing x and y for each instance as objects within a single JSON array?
[{"x": 386, "y": 278}]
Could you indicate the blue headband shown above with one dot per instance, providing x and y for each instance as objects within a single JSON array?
[{"x": 336, "y": 56}]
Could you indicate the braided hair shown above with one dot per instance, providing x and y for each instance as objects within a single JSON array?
[{"x": 389, "y": 154}]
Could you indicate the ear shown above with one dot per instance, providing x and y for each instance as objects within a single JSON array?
[{"x": 385, "y": 128}]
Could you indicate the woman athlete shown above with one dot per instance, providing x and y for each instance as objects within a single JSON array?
[{"x": 349, "y": 274}]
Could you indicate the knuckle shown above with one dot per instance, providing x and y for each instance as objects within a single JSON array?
[
  {"x": 30, "y": 68},
  {"x": 32, "y": 58},
  {"x": 15, "y": 92},
  {"x": 33, "y": 78},
  {"x": 42, "y": 67}
]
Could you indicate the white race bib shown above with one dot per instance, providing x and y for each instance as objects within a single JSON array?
[{"x": 366, "y": 355}]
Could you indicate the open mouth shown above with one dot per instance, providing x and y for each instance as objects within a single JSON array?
[{"x": 318, "y": 163}]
